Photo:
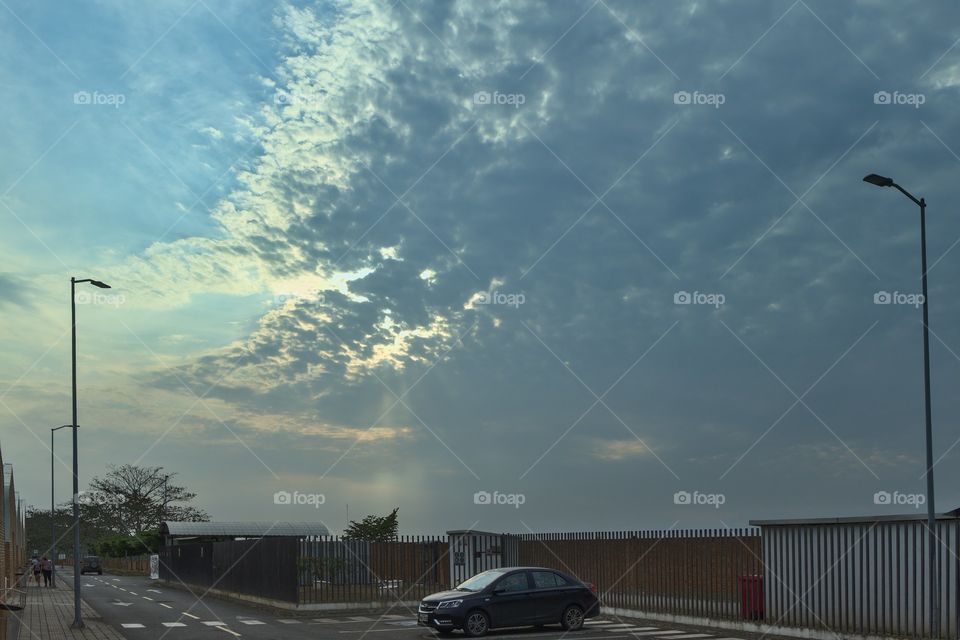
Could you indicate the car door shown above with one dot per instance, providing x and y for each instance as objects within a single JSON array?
[
  {"x": 549, "y": 596},
  {"x": 509, "y": 604}
]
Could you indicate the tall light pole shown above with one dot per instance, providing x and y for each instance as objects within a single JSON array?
[
  {"x": 882, "y": 181},
  {"x": 77, "y": 617},
  {"x": 53, "y": 511}
]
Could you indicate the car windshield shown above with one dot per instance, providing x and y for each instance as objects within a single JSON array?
[{"x": 480, "y": 581}]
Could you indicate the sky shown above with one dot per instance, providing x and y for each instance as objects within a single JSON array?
[{"x": 512, "y": 266}]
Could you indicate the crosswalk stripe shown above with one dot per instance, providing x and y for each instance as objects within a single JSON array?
[
  {"x": 620, "y": 625},
  {"x": 659, "y": 633},
  {"x": 173, "y": 624},
  {"x": 284, "y": 621},
  {"x": 245, "y": 621},
  {"x": 214, "y": 623},
  {"x": 690, "y": 636},
  {"x": 132, "y": 625}
]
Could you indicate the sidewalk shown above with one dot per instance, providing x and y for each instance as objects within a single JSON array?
[{"x": 49, "y": 612}]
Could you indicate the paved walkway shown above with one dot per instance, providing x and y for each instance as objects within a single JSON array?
[{"x": 49, "y": 612}]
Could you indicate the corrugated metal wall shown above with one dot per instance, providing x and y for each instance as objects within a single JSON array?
[{"x": 863, "y": 577}]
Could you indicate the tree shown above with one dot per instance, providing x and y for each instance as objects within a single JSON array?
[
  {"x": 120, "y": 513},
  {"x": 133, "y": 500},
  {"x": 374, "y": 528}
]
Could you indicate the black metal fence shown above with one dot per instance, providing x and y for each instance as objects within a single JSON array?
[
  {"x": 331, "y": 569},
  {"x": 867, "y": 578},
  {"x": 709, "y": 573},
  {"x": 265, "y": 568}
]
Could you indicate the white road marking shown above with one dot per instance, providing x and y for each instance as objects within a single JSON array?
[
  {"x": 246, "y": 621},
  {"x": 132, "y": 625},
  {"x": 122, "y": 604},
  {"x": 360, "y": 619},
  {"x": 377, "y": 630},
  {"x": 230, "y": 631},
  {"x": 173, "y": 624},
  {"x": 165, "y": 605},
  {"x": 691, "y": 636},
  {"x": 283, "y": 621},
  {"x": 214, "y": 623},
  {"x": 190, "y": 615},
  {"x": 132, "y": 593},
  {"x": 659, "y": 633},
  {"x": 154, "y": 591}
]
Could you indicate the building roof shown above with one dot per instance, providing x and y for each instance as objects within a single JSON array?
[
  {"x": 793, "y": 522},
  {"x": 243, "y": 529}
]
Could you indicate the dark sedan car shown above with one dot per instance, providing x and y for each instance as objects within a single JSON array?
[{"x": 510, "y": 597}]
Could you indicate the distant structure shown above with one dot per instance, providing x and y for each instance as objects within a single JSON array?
[
  {"x": 179, "y": 532},
  {"x": 14, "y": 554}
]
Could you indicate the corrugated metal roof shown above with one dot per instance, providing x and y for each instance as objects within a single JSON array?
[
  {"x": 245, "y": 529},
  {"x": 788, "y": 522}
]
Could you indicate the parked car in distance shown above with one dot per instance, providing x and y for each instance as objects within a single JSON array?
[
  {"x": 91, "y": 564},
  {"x": 510, "y": 597}
]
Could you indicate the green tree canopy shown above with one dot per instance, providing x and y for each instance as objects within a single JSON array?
[{"x": 374, "y": 528}]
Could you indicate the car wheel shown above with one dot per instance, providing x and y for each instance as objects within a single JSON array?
[
  {"x": 572, "y": 618},
  {"x": 476, "y": 624}
]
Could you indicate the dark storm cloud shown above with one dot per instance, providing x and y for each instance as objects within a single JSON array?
[{"x": 503, "y": 199}]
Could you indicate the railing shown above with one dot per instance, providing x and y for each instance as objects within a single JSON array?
[
  {"x": 334, "y": 570},
  {"x": 708, "y": 573}
]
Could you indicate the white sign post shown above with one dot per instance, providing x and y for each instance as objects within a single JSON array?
[{"x": 154, "y": 567}]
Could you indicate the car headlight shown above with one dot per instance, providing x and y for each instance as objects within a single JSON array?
[{"x": 449, "y": 604}]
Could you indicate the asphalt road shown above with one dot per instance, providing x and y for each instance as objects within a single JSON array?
[{"x": 140, "y": 610}]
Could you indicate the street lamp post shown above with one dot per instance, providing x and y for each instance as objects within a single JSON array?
[
  {"x": 53, "y": 532},
  {"x": 882, "y": 181},
  {"x": 77, "y": 617}
]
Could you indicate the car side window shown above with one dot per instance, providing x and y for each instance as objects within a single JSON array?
[
  {"x": 546, "y": 580},
  {"x": 514, "y": 582}
]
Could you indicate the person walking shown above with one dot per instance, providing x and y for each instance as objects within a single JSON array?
[
  {"x": 46, "y": 565},
  {"x": 36, "y": 569}
]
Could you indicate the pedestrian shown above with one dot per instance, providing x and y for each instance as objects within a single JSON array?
[
  {"x": 46, "y": 565},
  {"x": 36, "y": 569}
]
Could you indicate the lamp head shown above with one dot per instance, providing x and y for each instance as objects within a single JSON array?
[{"x": 880, "y": 181}]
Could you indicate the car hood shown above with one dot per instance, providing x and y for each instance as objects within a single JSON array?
[{"x": 449, "y": 595}]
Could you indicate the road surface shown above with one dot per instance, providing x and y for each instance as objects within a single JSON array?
[{"x": 141, "y": 610}]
